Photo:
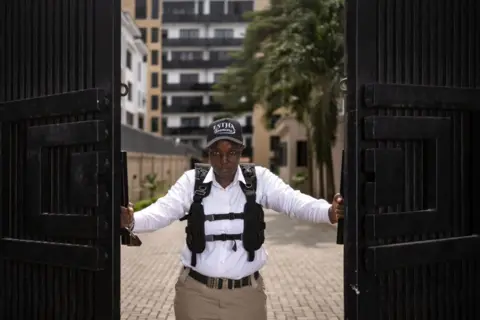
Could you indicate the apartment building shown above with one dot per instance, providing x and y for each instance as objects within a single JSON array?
[
  {"x": 147, "y": 16},
  {"x": 134, "y": 74},
  {"x": 197, "y": 39}
]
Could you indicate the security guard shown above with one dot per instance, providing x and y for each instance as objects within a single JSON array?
[{"x": 223, "y": 204}]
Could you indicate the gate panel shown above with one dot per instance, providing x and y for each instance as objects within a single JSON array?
[
  {"x": 59, "y": 159},
  {"x": 412, "y": 233}
]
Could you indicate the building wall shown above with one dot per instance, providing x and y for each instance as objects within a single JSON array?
[
  {"x": 134, "y": 75},
  {"x": 147, "y": 25}
]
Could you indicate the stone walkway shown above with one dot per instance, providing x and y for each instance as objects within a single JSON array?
[{"x": 303, "y": 275}]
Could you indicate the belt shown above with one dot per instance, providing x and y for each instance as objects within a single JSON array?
[{"x": 219, "y": 283}]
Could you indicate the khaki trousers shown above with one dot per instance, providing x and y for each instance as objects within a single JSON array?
[{"x": 195, "y": 301}]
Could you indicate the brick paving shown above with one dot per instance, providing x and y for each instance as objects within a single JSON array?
[{"x": 303, "y": 275}]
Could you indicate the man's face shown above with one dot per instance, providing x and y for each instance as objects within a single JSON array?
[{"x": 224, "y": 157}]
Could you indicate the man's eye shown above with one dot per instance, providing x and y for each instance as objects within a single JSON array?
[
  {"x": 232, "y": 153},
  {"x": 215, "y": 153}
]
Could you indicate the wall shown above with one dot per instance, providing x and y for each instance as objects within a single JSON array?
[{"x": 167, "y": 167}]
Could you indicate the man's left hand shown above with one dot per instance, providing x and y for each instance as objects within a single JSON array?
[{"x": 336, "y": 210}]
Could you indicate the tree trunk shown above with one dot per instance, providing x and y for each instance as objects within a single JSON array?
[
  {"x": 310, "y": 148},
  {"x": 321, "y": 181},
  {"x": 329, "y": 171}
]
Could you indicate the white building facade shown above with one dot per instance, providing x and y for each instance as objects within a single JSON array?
[
  {"x": 134, "y": 74},
  {"x": 197, "y": 39}
]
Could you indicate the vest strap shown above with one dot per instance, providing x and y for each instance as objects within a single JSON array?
[
  {"x": 223, "y": 237},
  {"x": 224, "y": 216}
]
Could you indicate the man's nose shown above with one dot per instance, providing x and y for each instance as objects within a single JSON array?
[{"x": 224, "y": 158}]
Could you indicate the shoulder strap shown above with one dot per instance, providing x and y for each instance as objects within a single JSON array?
[
  {"x": 250, "y": 186},
  {"x": 201, "y": 189}
]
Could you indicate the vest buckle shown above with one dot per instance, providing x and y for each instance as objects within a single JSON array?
[{"x": 231, "y": 215}]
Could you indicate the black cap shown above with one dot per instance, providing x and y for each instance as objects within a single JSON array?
[{"x": 224, "y": 129}]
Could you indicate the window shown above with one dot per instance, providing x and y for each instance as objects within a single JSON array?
[
  {"x": 129, "y": 118},
  {"x": 143, "y": 31},
  {"x": 189, "y": 33},
  {"x": 189, "y": 78},
  {"x": 155, "y": 9},
  {"x": 274, "y": 142},
  {"x": 154, "y": 35},
  {"x": 130, "y": 89},
  {"x": 217, "y": 7},
  {"x": 223, "y": 33},
  {"x": 140, "y": 9},
  {"x": 154, "y": 83},
  {"x": 190, "y": 121},
  {"x": 164, "y": 78},
  {"x": 248, "y": 120},
  {"x": 141, "y": 122},
  {"x": 281, "y": 154},
  {"x": 154, "y": 60},
  {"x": 220, "y": 55},
  {"x": 139, "y": 71},
  {"x": 239, "y": 7},
  {"x": 187, "y": 55},
  {"x": 164, "y": 102},
  {"x": 145, "y": 58},
  {"x": 128, "y": 62},
  {"x": 154, "y": 102},
  {"x": 217, "y": 77},
  {"x": 187, "y": 101},
  {"x": 164, "y": 34},
  {"x": 179, "y": 8},
  {"x": 302, "y": 153},
  {"x": 248, "y": 142},
  {"x": 154, "y": 124},
  {"x": 164, "y": 123}
]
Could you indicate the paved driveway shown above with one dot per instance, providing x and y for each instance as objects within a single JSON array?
[{"x": 303, "y": 275}]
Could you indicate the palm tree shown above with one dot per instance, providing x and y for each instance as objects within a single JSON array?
[{"x": 291, "y": 55}]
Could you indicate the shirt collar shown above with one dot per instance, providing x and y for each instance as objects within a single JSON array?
[{"x": 211, "y": 176}]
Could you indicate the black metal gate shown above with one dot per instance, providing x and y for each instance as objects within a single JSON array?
[
  {"x": 59, "y": 159},
  {"x": 412, "y": 247}
]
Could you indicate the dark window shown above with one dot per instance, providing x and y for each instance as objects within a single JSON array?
[
  {"x": 141, "y": 9},
  {"x": 189, "y": 78},
  {"x": 248, "y": 120},
  {"x": 154, "y": 124},
  {"x": 274, "y": 142},
  {"x": 187, "y": 55},
  {"x": 129, "y": 60},
  {"x": 200, "y": 7},
  {"x": 273, "y": 121},
  {"x": 220, "y": 55},
  {"x": 164, "y": 56},
  {"x": 223, "y": 33},
  {"x": 164, "y": 102},
  {"x": 154, "y": 102},
  {"x": 189, "y": 33},
  {"x": 145, "y": 58},
  {"x": 164, "y": 34},
  {"x": 238, "y": 8},
  {"x": 130, "y": 89},
  {"x": 154, "y": 60},
  {"x": 141, "y": 122},
  {"x": 155, "y": 9},
  {"x": 164, "y": 78},
  {"x": 154, "y": 35},
  {"x": 281, "y": 154},
  {"x": 129, "y": 118},
  {"x": 217, "y": 77},
  {"x": 217, "y": 7},
  {"x": 302, "y": 153},
  {"x": 179, "y": 8},
  {"x": 143, "y": 31},
  {"x": 190, "y": 122},
  {"x": 248, "y": 142},
  {"x": 164, "y": 123},
  {"x": 154, "y": 83},
  {"x": 187, "y": 101}
]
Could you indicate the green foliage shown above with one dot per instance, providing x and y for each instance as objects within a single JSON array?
[
  {"x": 142, "y": 204},
  {"x": 152, "y": 185},
  {"x": 292, "y": 57}
]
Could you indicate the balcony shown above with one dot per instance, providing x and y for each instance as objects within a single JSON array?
[
  {"x": 202, "y": 18},
  {"x": 173, "y": 87},
  {"x": 196, "y": 64},
  {"x": 182, "y": 108},
  {"x": 202, "y": 42},
  {"x": 193, "y": 130}
]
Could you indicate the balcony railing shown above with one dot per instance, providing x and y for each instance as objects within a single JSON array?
[
  {"x": 202, "y": 18},
  {"x": 196, "y": 64},
  {"x": 212, "y": 107},
  {"x": 194, "y": 130},
  {"x": 202, "y": 42},
  {"x": 169, "y": 87}
]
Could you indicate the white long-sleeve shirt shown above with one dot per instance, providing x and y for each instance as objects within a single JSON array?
[{"x": 219, "y": 259}]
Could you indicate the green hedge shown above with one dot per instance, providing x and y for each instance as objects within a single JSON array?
[{"x": 142, "y": 204}]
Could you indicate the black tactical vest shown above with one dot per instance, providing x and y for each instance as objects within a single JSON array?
[{"x": 253, "y": 217}]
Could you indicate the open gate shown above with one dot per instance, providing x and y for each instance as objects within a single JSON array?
[
  {"x": 59, "y": 159},
  {"x": 412, "y": 245}
]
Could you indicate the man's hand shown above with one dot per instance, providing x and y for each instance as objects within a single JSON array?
[
  {"x": 126, "y": 216},
  {"x": 336, "y": 210}
]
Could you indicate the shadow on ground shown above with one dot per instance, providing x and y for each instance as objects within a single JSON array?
[{"x": 282, "y": 230}]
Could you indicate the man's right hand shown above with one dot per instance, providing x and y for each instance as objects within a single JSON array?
[{"x": 126, "y": 216}]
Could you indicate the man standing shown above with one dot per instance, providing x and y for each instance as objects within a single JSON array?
[{"x": 220, "y": 276}]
